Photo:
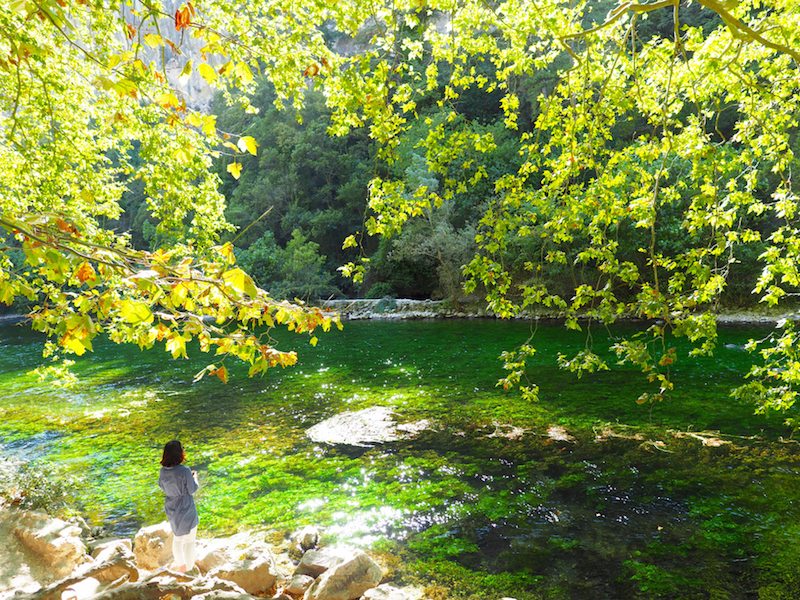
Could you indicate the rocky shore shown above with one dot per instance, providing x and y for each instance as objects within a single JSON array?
[
  {"x": 398, "y": 309},
  {"x": 44, "y": 558}
]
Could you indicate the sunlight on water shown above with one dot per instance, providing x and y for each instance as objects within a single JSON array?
[{"x": 482, "y": 473}]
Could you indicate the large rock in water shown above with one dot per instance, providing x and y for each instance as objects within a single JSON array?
[
  {"x": 363, "y": 428},
  {"x": 153, "y": 546},
  {"x": 56, "y": 541},
  {"x": 346, "y": 581}
]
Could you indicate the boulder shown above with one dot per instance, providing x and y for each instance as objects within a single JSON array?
[
  {"x": 106, "y": 553},
  {"x": 307, "y": 538},
  {"x": 364, "y": 428},
  {"x": 316, "y": 562},
  {"x": 112, "y": 543},
  {"x": 222, "y": 595},
  {"x": 299, "y": 584},
  {"x": 346, "y": 581},
  {"x": 254, "y": 571},
  {"x": 85, "y": 588},
  {"x": 56, "y": 541},
  {"x": 153, "y": 546},
  {"x": 387, "y": 591},
  {"x": 214, "y": 553}
]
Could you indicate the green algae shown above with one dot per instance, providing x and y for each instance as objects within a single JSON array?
[{"x": 628, "y": 506}]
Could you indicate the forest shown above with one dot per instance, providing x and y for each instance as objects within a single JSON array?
[{"x": 306, "y": 191}]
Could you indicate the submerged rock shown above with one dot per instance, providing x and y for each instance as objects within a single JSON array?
[{"x": 364, "y": 428}]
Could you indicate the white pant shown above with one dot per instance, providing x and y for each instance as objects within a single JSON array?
[{"x": 183, "y": 549}]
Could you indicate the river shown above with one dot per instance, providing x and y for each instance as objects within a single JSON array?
[{"x": 582, "y": 494}]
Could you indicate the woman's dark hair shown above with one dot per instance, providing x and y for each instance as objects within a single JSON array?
[{"x": 173, "y": 454}]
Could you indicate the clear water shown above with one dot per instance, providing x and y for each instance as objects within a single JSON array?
[{"x": 595, "y": 512}]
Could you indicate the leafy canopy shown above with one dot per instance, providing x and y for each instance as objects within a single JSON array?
[{"x": 685, "y": 132}]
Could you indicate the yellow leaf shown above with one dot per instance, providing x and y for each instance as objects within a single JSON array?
[
  {"x": 176, "y": 345},
  {"x": 243, "y": 72},
  {"x": 235, "y": 169},
  {"x": 153, "y": 40},
  {"x": 194, "y": 120},
  {"x": 167, "y": 100},
  {"x": 78, "y": 346},
  {"x": 210, "y": 125},
  {"x": 248, "y": 143},
  {"x": 135, "y": 312},
  {"x": 313, "y": 341},
  {"x": 239, "y": 280},
  {"x": 207, "y": 72}
]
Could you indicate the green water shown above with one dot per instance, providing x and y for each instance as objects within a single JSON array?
[{"x": 641, "y": 513}]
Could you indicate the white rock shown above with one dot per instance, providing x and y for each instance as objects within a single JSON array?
[
  {"x": 215, "y": 553},
  {"x": 346, "y": 581},
  {"x": 106, "y": 552},
  {"x": 83, "y": 589},
  {"x": 56, "y": 541},
  {"x": 387, "y": 591},
  {"x": 299, "y": 585},
  {"x": 254, "y": 571},
  {"x": 316, "y": 562},
  {"x": 99, "y": 547},
  {"x": 222, "y": 595},
  {"x": 153, "y": 546}
]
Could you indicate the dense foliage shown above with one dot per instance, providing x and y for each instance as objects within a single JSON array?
[{"x": 593, "y": 160}]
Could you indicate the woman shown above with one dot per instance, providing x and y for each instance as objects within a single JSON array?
[{"x": 179, "y": 483}]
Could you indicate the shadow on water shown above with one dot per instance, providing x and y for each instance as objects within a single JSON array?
[{"x": 583, "y": 494}]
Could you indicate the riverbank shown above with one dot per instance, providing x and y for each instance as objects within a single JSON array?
[
  {"x": 357, "y": 309},
  {"x": 47, "y": 558}
]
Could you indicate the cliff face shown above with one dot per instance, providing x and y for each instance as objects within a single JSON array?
[{"x": 197, "y": 93}]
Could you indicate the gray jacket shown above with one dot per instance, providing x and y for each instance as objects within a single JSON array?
[{"x": 179, "y": 484}]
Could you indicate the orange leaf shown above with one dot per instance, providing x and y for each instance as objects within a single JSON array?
[
  {"x": 65, "y": 227},
  {"x": 183, "y": 17},
  {"x": 85, "y": 273},
  {"x": 222, "y": 373},
  {"x": 130, "y": 31},
  {"x": 311, "y": 70}
]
